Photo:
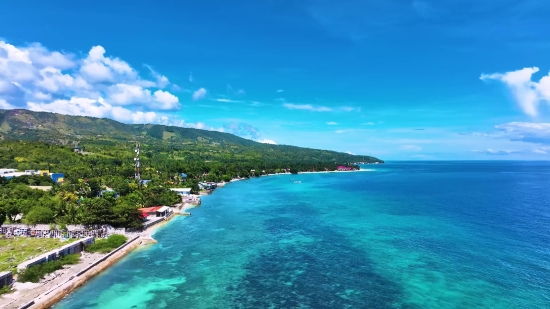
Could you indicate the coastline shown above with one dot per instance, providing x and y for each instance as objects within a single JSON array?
[
  {"x": 63, "y": 284},
  {"x": 56, "y": 291},
  {"x": 318, "y": 172}
]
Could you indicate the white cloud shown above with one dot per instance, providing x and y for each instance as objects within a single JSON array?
[
  {"x": 349, "y": 152},
  {"x": 411, "y": 148},
  {"x": 367, "y": 123},
  {"x": 314, "y": 108},
  {"x": 350, "y": 109},
  {"x": 527, "y": 93},
  {"x": 166, "y": 100},
  {"x": 5, "y": 105},
  {"x": 308, "y": 107},
  {"x": 280, "y": 90},
  {"x": 124, "y": 94},
  {"x": 162, "y": 81},
  {"x": 332, "y": 123},
  {"x": 41, "y": 75},
  {"x": 191, "y": 77},
  {"x": 223, "y": 100},
  {"x": 531, "y": 132},
  {"x": 495, "y": 151},
  {"x": 33, "y": 77},
  {"x": 542, "y": 150},
  {"x": 267, "y": 141},
  {"x": 199, "y": 94}
]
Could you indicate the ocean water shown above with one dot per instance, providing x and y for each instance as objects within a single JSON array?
[{"x": 398, "y": 235}]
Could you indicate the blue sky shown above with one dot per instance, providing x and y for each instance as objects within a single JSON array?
[{"x": 401, "y": 80}]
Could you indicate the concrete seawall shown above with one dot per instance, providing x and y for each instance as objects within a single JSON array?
[{"x": 57, "y": 293}]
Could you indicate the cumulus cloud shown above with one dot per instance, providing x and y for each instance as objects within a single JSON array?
[
  {"x": 199, "y": 94},
  {"x": 280, "y": 90},
  {"x": 267, "y": 141},
  {"x": 349, "y": 152},
  {"x": 527, "y": 93},
  {"x": 308, "y": 107},
  {"x": 5, "y": 105},
  {"x": 96, "y": 84},
  {"x": 332, "y": 123}
]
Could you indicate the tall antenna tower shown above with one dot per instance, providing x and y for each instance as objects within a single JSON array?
[{"x": 137, "y": 163}]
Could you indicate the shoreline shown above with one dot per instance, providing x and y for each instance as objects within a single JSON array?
[
  {"x": 318, "y": 172},
  {"x": 62, "y": 285},
  {"x": 137, "y": 240}
]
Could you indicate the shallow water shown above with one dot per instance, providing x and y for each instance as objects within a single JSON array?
[{"x": 403, "y": 235}]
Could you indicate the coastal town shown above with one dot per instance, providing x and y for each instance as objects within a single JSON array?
[{"x": 59, "y": 224}]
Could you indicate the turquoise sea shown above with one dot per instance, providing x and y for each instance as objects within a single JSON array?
[{"x": 398, "y": 235}]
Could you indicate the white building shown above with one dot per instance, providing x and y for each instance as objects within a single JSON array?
[
  {"x": 9, "y": 173},
  {"x": 182, "y": 191}
]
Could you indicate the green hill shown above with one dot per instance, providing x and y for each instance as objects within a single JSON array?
[
  {"x": 33, "y": 140},
  {"x": 109, "y": 137}
]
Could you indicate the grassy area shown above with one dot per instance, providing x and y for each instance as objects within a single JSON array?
[
  {"x": 6, "y": 290},
  {"x": 107, "y": 245},
  {"x": 36, "y": 272},
  {"x": 14, "y": 251}
]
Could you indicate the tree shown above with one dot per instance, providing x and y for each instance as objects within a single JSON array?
[
  {"x": 39, "y": 214},
  {"x": 127, "y": 214}
]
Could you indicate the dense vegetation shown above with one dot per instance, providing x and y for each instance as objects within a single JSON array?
[
  {"x": 36, "y": 272},
  {"x": 34, "y": 140},
  {"x": 107, "y": 245}
]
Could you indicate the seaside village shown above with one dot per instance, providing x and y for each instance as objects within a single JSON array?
[
  {"x": 78, "y": 237},
  {"x": 81, "y": 235},
  {"x": 150, "y": 215}
]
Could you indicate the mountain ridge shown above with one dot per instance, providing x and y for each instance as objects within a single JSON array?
[{"x": 91, "y": 132}]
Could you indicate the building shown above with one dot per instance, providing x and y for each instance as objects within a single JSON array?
[
  {"x": 43, "y": 188},
  {"x": 182, "y": 191},
  {"x": 157, "y": 211},
  {"x": 144, "y": 182},
  {"x": 32, "y": 172},
  {"x": 207, "y": 185},
  {"x": 77, "y": 149},
  {"x": 7, "y": 173},
  {"x": 183, "y": 176},
  {"x": 57, "y": 177},
  {"x": 102, "y": 192}
]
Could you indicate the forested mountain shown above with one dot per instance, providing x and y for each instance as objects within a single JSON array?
[
  {"x": 39, "y": 141},
  {"x": 105, "y": 135}
]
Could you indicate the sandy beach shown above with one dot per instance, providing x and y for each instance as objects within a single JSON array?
[{"x": 59, "y": 284}]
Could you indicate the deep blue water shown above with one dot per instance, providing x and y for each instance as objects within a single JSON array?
[{"x": 402, "y": 235}]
